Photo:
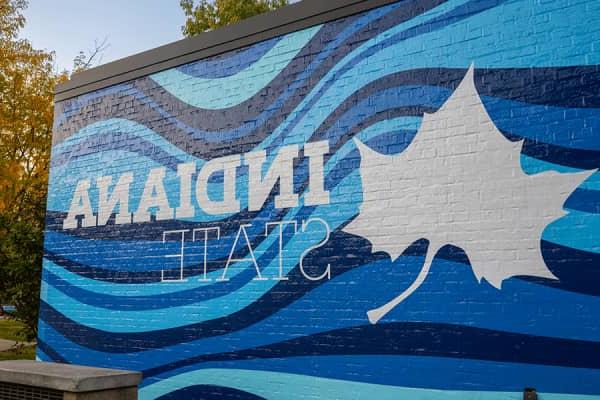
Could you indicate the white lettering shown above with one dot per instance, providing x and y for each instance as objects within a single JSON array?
[
  {"x": 186, "y": 208},
  {"x": 317, "y": 194},
  {"x": 252, "y": 258},
  {"x": 230, "y": 204},
  {"x": 282, "y": 169},
  {"x": 80, "y": 205},
  {"x": 154, "y": 195},
  {"x": 327, "y": 273},
  {"x": 120, "y": 196}
]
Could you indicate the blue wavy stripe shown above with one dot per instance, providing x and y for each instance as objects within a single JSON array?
[
  {"x": 231, "y": 63},
  {"x": 376, "y": 53},
  {"x": 245, "y": 123},
  {"x": 535, "y": 131},
  {"x": 118, "y": 134},
  {"x": 445, "y": 371},
  {"x": 284, "y": 386},
  {"x": 70, "y": 108},
  {"x": 585, "y": 200},
  {"x": 210, "y": 392},
  {"x": 431, "y": 372},
  {"x": 456, "y": 310},
  {"x": 232, "y": 90},
  {"x": 412, "y": 339},
  {"x": 130, "y": 297}
]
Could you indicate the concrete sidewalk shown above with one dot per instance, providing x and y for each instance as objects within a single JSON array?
[{"x": 6, "y": 344}]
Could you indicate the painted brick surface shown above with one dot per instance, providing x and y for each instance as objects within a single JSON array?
[{"x": 398, "y": 204}]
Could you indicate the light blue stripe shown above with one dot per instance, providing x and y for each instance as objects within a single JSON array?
[
  {"x": 214, "y": 94},
  {"x": 282, "y": 386},
  {"x": 534, "y": 166},
  {"x": 148, "y": 320},
  {"x": 509, "y": 27},
  {"x": 577, "y": 230},
  {"x": 112, "y": 289},
  {"x": 120, "y": 125}
]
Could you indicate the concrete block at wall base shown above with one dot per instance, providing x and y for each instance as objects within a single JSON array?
[
  {"x": 76, "y": 382},
  {"x": 130, "y": 393}
]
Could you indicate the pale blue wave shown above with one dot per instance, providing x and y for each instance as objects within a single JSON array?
[
  {"x": 507, "y": 26},
  {"x": 582, "y": 224},
  {"x": 577, "y": 230},
  {"x": 334, "y": 214},
  {"x": 129, "y": 289},
  {"x": 283, "y": 386},
  {"x": 541, "y": 301},
  {"x": 532, "y": 166},
  {"x": 219, "y": 93},
  {"x": 117, "y": 126}
]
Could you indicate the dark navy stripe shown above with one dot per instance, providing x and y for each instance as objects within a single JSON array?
[
  {"x": 574, "y": 158},
  {"x": 230, "y": 63},
  {"x": 585, "y": 200},
  {"x": 577, "y": 271},
  {"x": 50, "y": 352},
  {"x": 280, "y": 296},
  {"x": 209, "y": 392},
  {"x": 419, "y": 339}
]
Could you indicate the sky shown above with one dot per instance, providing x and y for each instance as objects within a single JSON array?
[{"x": 130, "y": 26}]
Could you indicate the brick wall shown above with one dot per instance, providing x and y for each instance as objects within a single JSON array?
[{"x": 398, "y": 204}]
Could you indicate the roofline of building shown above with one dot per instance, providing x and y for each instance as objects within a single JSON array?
[{"x": 285, "y": 20}]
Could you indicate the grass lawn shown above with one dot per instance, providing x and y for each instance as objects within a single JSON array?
[
  {"x": 26, "y": 353},
  {"x": 9, "y": 330}
]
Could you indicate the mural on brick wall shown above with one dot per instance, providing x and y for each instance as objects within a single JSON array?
[{"x": 384, "y": 206}]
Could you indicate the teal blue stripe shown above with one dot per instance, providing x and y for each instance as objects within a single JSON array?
[
  {"x": 283, "y": 386},
  {"x": 219, "y": 93},
  {"x": 534, "y": 166}
]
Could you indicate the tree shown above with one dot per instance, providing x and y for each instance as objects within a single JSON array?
[
  {"x": 84, "y": 60},
  {"x": 206, "y": 15},
  {"x": 27, "y": 83}
]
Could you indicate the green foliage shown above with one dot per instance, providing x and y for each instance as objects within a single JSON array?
[
  {"x": 27, "y": 82},
  {"x": 21, "y": 250},
  {"x": 207, "y": 15}
]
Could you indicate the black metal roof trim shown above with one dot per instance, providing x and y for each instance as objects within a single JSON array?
[{"x": 288, "y": 19}]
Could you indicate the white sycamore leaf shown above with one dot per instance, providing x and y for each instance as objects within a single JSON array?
[{"x": 460, "y": 183}]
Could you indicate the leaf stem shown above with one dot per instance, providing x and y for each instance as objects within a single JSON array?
[{"x": 376, "y": 314}]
